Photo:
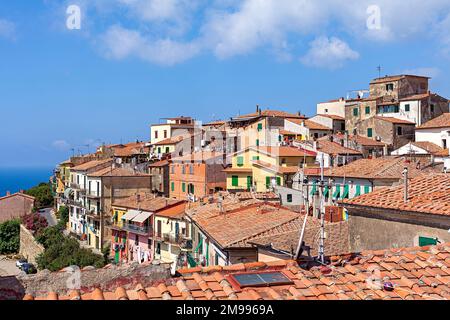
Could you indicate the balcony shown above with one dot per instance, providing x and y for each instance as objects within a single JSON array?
[
  {"x": 93, "y": 194},
  {"x": 142, "y": 230},
  {"x": 179, "y": 240},
  {"x": 73, "y": 202}
]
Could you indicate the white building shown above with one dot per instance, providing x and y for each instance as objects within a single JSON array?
[
  {"x": 307, "y": 129},
  {"x": 333, "y": 107},
  {"x": 419, "y": 148},
  {"x": 436, "y": 131}
]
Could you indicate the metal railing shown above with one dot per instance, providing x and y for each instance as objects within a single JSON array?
[{"x": 137, "y": 229}]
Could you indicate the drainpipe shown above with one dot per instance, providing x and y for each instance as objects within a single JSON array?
[{"x": 405, "y": 175}]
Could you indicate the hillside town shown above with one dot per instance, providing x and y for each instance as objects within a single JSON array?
[{"x": 271, "y": 205}]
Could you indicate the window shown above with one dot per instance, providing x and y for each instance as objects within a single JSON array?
[
  {"x": 235, "y": 181},
  {"x": 158, "y": 248},
  {"x": 165, "y": 134},
  {"x": 191, "y": 169},
  {"x": 263, "y": 279},
  {"x": 369, "y": 132},
  {"x": 390, "y": 87},
  {"x": 183, "y": 187},
  {"x": 289, "y": 198},
  {"x": 355, "y": 112},
  {"x": 183, "y": 169},
  {"x": 278, "y": 181},
  {"x": 240, "y": 161},
  {"x": 432, "y": 108},
  {"x": 366, "y": 189},
  {"x": 280, "y": 138},
  {"x": 136, "y": 239},
  {"x": 216, "y": 259},
  {"x": 172, "y": 186},
  {"x": 172, "y": 169},
  {"x": 316, "y": 135},
  {"x": 267, "y": 182},
  {"x": 444, "y": 143},
  {"x": 149, "y": 243},
  {"x": 255, "y": 158},
  {"x": 425, "y": 241},
  {"x": 257, "y": 142},
  {"x": 407, "y": 108},
  {"x": 399, "y": 131},
  {"x": 156, "y": 134},
  {"x": 367, "y": 109},
  {"x": 260, "y": 126},
  {"x": 167, "y": 149},
  {"x": 159, "y": 150}
]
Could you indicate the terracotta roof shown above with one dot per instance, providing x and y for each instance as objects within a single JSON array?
[
  {"x": 430, "y": 147},
  {"x": 231, "y": 169},
  {"x": 394, "y": 78},
  {"x": 240, "y": 220},
  {"x": 246, "y": 195},
  {"x": 377, "y": 168},
  {"x": 426, "y": 194},
  {"x": 161, "y": 163},
  {"x": 90, "y": 165},
  {"x": 130, "y": 149},
  {"x": 18, "y": 194},
  {"x": 174, "y": 140},
  {"x": 394, "y": 120},
  {"x": 443, "y": 121},
  {"x": 285, "y": 151},
  {"x": 443, "y": 153},
  {"x": 276, "y": 169},
  {"x": 271, "y": 113},
  {"x": 117, "y": 172},
  {"x": 147, "y": 203},
  {"x": 287, "y": 133},
  {"x": 335, "y": 148},
  {"x": 332, "y": 116},
  {"x": 310, "y": 124},
  {"x": 361, "y": 140},
  {"x": 417, "y": 273}
]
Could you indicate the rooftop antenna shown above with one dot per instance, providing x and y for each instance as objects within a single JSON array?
[
  {"x": 379, "y": 71},
  {"x": 73, "y": 152}
]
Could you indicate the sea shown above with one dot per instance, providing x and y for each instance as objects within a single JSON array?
[{"x": 16, "y": 179}]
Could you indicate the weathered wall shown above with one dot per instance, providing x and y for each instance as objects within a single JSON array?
[
  {"x": 29, "y": 248},
  {"x": 108, "y": 278},
  {"x": 374, "y": 234},
  {"x": 15, "y": 206}
]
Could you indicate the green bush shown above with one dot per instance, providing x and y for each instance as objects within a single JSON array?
[
  {"x": 61, "y": 252},
  {"x": 63, "y": 215},
  {"x": 43, "y": 195},
  {"x": 10, "y": 237}
]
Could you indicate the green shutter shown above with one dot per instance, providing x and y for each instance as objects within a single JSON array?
[
  {"x": 326, "y": 191},
  {"x": 235, "y": 181},
  {"x": 192, "y": 189},
  {"x": 355, "y": 112},
  {"x": 279, "y": 181},
  {"x": 240, "y": 161},
  {"x": 424, "y": 241},
  {"x": 314, "y": 188},
  {"x": 257, "y": 142},
  {"x": 259, "y": 126},
  {"x": 172, "y": 186},
  {"x": 369, "y": 132},
  {"x": 280, "y": 138},
  {"x": 289, "y": 198},
  {"x": 337, "y": 192},
  {"x": 267, "y": 182},
  {"x": 358, "y": 191},
  {"x": 367, "y": 110},
  {"x": 255, "y": 158},
  {"x": 346, "y": 192},
  {"x": 183, "y": 187},
  {"x": 249, "y": 182},
  {"x": 366, "y": 189}
]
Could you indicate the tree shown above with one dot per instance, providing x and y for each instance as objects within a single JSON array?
[
  {"x": 63, "y": 215},
  {"x": 10, "y": 237},
  {"x": 43, "y": 195},
  {"x": 35, "y": 223}
]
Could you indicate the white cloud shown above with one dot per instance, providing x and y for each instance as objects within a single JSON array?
[
  {"x": 7, "y": 29},
  {"x": 61, "y": 145},
  {"x": 120, "y": 43},
  {"x": 426, "y": 72},
  {"x": 172, "y": 31},
  {"x": 328, "y": 53}
]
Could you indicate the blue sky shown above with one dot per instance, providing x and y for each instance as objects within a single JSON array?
[{"x": 135, "y": 61}]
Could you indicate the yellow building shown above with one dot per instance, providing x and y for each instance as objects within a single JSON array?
[{"x": 259, "y": 168}]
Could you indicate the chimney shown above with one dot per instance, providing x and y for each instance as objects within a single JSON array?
[
  {"x": 138, "y": 198},
  {"x": 405, "y": 176},
  {"x": 8, "y": 193},
  {"x": 257, "y": 108}
]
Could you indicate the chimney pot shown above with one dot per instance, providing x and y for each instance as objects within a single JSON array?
[{"x": 8, "y": 193}]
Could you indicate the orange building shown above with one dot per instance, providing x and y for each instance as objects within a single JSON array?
[{"x": 197, "y": 175}]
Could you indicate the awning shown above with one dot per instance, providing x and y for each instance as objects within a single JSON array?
[
  {"x": 131, "y": 214},
  {"x": 326, "y": 191},
  {"x": 68, "y": 192},
  {"x": 337, "y": 192},
  {"x": 358, "y": 191},
  {"x": 140, "y": 218},
  {"x": 346, "y": 191}
]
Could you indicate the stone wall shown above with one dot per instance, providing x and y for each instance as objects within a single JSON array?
[
  {"x": 29, "y": 248},
  {"x": 107, "y": 278}
]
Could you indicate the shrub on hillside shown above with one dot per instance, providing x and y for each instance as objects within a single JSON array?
[
  {"x": 10, "y": 237},
  {"x": 43, "y": 195},
  {"x": 35, "y": 223}
]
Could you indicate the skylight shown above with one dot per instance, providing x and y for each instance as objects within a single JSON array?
[{"x": 263, "y": 279}]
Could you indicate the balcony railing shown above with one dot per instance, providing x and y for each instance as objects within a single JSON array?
[
  {"x": 145, "y": 230},
  {"x": 93, "y": 194},
  {"x": 73, "y": 202}
]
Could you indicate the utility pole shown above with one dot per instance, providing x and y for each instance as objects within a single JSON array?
[{"x": 322, "y": 214}]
